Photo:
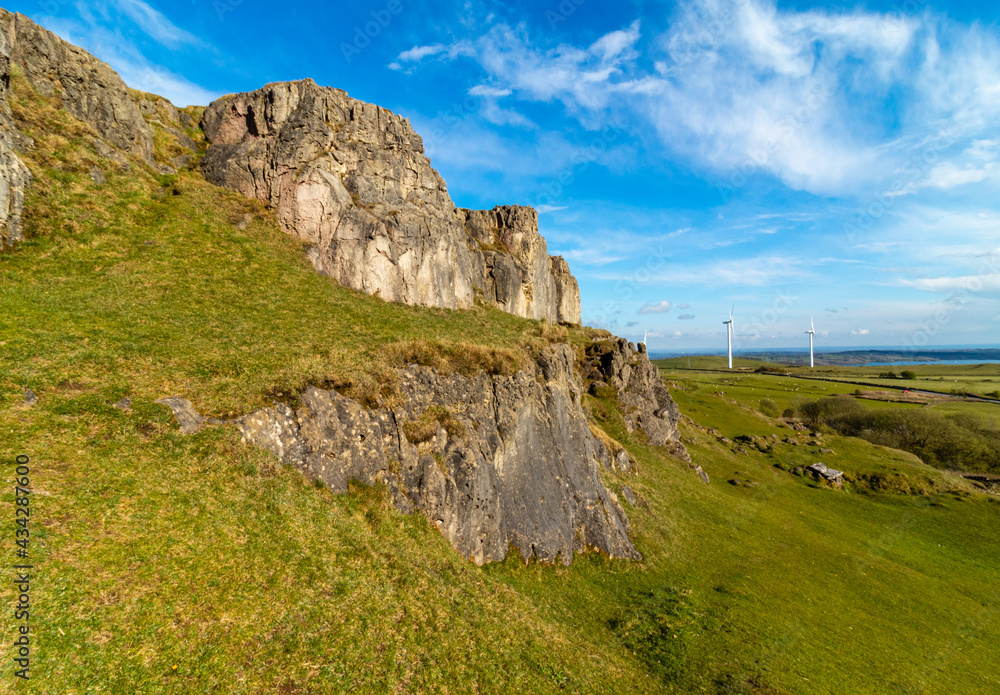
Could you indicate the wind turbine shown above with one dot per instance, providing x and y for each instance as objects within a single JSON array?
[
  {"x": 730, "y": 331},
  {"x": 812, "y": 336},
  {"x": 645, "y": 340}
]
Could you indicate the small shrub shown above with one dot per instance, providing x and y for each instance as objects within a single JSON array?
[
  {"x": 908, "y": 375},
  {"x": 769, "y": 407}
]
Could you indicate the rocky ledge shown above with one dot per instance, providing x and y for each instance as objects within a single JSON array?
[{"x": 352, "y": 180}]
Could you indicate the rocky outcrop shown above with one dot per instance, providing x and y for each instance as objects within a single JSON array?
[
  {"x": 492, "y": 461},
  {"x": 352, "y": 180},
  {"x": 645, "y": 401},
  {"x": 86, "y": 87},
  {"x": 520, "y": 276},
  {"x": 14, "y": 175}
]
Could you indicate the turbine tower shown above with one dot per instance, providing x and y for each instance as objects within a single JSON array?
[
  {"x": 812, "y": 336},
  {"x": 730, "y": 331}
]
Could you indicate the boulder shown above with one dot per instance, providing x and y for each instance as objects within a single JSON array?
[
  {"x": 821, "y": 472},
  {"x": 645, "y": 400}
]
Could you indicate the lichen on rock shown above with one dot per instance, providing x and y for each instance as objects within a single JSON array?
[{"x": 523, "y": 470}]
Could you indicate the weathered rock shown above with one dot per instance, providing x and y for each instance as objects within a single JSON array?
[
  {"x": 352, "y": 180},
  {"x": 645, "y": 400},
  {"x": 87, "y": 88},
  {"x": 30, "y": 398},
  {"x": 124, "y": 404},
  {"x": 521, "y": 278},
  {"x": 820, "y": 471},
  {"x": 518, "y": 467},
  {"x": 187, "y": 417},
  {"x": 628, "y": 495},
  {"x": 14, "y": 175}
]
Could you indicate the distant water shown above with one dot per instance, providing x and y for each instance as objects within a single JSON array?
[{"x": 931, "y": 364}]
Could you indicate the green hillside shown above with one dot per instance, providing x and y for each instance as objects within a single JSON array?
[{"x": 195, "y": 564}]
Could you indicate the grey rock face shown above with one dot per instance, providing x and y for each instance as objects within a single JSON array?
[
  {"x": 87, "y": 87},
  {"x": 352, "y": 180},
  {"x": 14, "y": 175},
  {"x": 645, "y": 401},
  {"x": 510, "y": 460},
  {"x": 521, "y": 278}
]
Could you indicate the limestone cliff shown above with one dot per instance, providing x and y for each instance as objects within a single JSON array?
[
  {"x": 86, "y": 87},
  {"x": 352, "y": 179},
  {"x": 491, "y": 461}
]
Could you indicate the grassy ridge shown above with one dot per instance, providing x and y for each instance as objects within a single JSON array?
[{"x": 171, "y": 564}]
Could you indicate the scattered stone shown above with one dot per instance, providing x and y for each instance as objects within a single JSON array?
[
  {"x": 30, "y": 398},
  {"x": 622, "y": 462},
  {"x": 98, "y": 176},
  {"x": 124, "y": 404},
  {"x": 628, "y": 494},
  {"x": 701, "y": 473},
  {"x": 244, "y": 222},
  {"x": 820, "y": 471},
  {"x": 187, "y": 417}
]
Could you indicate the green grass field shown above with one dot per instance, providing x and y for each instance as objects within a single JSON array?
[{"x": 173, "y": 564}]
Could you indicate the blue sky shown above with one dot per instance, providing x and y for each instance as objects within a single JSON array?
[{"x": 795, "y": 160}]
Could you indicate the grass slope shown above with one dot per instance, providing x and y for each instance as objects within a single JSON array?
[{"x": 171, "y": 564}]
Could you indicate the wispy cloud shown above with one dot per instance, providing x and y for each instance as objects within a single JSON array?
[
  {"x": 155, "y": 24},
  {"x": 745, "y": 87}
]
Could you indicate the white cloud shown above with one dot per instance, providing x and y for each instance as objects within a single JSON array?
[
  {"x": 948, "y": 176},
  {"x": 657, "y": 308},
  {"x": 419, "y": 53},
  {"x": 742, "y": 87},
  {"x": 861, "y": 331},
  {"x": 155, "y": 24},
  {"x": 963, "y": 284},
  {"x": 761, "y": 271}
]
